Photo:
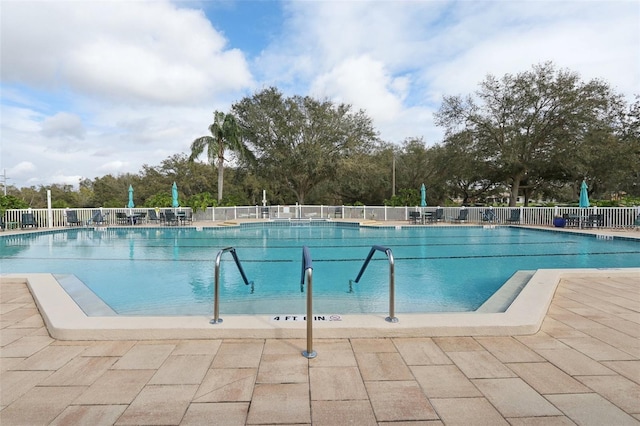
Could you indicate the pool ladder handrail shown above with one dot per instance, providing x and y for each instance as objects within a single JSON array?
[
  {"x": 216, "y": 292},
  {"x": 307, "y": 270},
  {"x": 389, "y": 253}
]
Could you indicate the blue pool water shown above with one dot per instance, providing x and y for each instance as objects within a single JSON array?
[{"x": 170, "y": 271}]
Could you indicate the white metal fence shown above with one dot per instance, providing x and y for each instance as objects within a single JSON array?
[{"x": 612, "y": 217}]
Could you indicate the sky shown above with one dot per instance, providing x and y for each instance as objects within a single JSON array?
[{"x": 96, "y": 87}]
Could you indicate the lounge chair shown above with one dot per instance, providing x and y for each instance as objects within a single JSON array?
[
  {"x": 72, "y": 218},
  {"x": 97, "y": 218},
  {"x": 515, "y": 216},
  {"x": 28, "y": 220},
  {"x": 489, "y": 216},
  {"x": 462, "y": 216},
  {"x": 170, "y": 218},
  {"x": 152, "y": 216}
]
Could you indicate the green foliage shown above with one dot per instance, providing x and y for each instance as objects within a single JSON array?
[
  {"x": 158, "y": 200},
  {"x": 225, "y": 135},
  {"x": 534, "y": 126},
  {"x": 233, "y": 200},
  {"x": 405, "y": 197},
  {"x": 8, "y": 202},
  {"x": 60, "y": 204},
  {"x": 201, "y": 201},
  {"x": 300, "y": 142}
]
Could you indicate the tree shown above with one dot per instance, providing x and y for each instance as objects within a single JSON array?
[
  {"x": 11, "y": 202},
  {"x": 521, "y": 123},
  {"x": 462, "y": 168},
  {"x": 300, "y": 141},
  {"x": 225, "y": 134}
]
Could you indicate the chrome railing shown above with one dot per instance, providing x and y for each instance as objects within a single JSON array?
[
  {"x": 216, "y": 292},
  {"x": 389, "y": 253},
  {"x": 307, "y": 270}
]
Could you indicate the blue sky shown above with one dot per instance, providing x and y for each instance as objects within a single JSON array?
[{"x": 89, "y": 88}]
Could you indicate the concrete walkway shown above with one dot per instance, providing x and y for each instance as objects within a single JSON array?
[{"x": 582, "y": 367}]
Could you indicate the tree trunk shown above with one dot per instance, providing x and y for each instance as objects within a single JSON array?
[
  {"x": 220, "y": 179},
  {"x": 515, "y": 188},
  {"x": 220, "y": 169}
]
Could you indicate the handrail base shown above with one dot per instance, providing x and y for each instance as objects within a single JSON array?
[
  {"x": 391, "y": 319},
  {"x": 309, "y": 355},
  {"x": 214, "y": 321}
]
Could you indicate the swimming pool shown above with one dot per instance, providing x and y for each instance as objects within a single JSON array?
[{"x": 169, "y": 271}]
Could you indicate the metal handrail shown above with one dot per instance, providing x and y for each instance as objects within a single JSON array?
[
  {"x": 216, "y": 292},
  {"x": 307, "y": 269},
  {"x": 389, "y": 253}
]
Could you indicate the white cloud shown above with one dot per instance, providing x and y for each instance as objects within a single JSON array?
[
  {"x": 61, "y": 178},
  {"x": 22, "y": 168},
  {"x": 143, "y": 52},
  {"x": 63, "y": 125},
  {"x": 114, "y": 167},
  {"x": 365, "y": 83}
]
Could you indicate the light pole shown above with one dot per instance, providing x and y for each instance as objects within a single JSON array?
[
  {"x": 4, "y": 181},
  {"x": 393, "y": 176}
]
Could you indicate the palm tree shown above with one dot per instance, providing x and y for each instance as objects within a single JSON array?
[{"x": 225, "y": 135}]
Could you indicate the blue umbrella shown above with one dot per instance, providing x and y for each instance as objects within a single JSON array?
[
  {"x": 131, "y": 205},
  {"x": 174, "y": 196},
  {"x": 423, "y": 196},
  {"x": 584, "y": 195}
]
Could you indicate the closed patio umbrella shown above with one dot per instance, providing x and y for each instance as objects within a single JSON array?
[
  {"x": 423, "y": 196},
  {"x": 174, "y": 196},
  {"x": 131, "y": 205},
  {"x": 584, "y": 195}
]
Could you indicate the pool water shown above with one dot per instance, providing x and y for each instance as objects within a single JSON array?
[{"x": 170, "y": 271}]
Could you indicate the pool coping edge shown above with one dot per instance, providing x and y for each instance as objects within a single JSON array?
[{"x": 66, "y": 321}]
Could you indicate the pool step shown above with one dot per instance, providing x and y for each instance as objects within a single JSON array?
[
  {"x": 502, "y": 299},
  {"x": 86, "y": 299}
]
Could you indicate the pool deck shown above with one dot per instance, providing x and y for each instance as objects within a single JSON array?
[{"x": 582, "y": 367}]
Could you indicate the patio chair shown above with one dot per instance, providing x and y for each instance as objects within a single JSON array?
[
  {"x": 594, "y": 221},
  {"x": 414, "y": 217},
  {"x": 439, "y": 215},
  {"x": 572, "y": 220},
  {"x": 337, "y": 212},
  {"x": 2, "y": 224},
  {"x": 462, "y": 216},
  {"x": 28, "y": 220},
  {"x": 152, "y": 216},
  {"x": 97, "y": 218},
  {"x": 636, "y": 223},
  {"x": 72, "y": 218},
  {"x": 515, "y": 216},
  {"x": 187, "y": 217},
  {"x": 489, "y": 216},
  {"x": 121, "y": 218},
  {"x": 170, "y": 218}
]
